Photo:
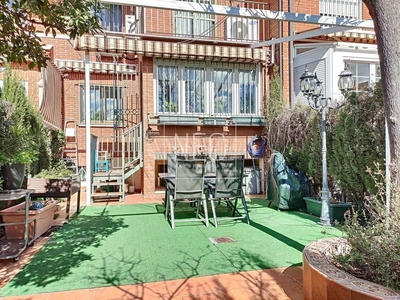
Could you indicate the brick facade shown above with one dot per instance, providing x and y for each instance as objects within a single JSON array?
[{"x": 182, "y": 138}]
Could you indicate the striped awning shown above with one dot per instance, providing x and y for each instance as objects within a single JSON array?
[
  {"x": 367, "y": 37},
  {"x": 95, "y": 67},
  {"x": 106, "y": 44}
]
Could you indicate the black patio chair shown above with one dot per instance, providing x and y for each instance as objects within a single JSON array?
[
  {"x": 187, "y": 187},
  {"x": 228, "y": 188}
]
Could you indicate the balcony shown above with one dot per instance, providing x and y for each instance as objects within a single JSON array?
[{"x": 151, "y": 23}]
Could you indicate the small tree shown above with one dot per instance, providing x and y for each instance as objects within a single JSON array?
[
  {"x": 21, "y": 124},
  {"x": 357, "y": 142}
]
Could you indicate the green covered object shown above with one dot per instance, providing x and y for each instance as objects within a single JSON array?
[{"x": 286, "y": 187}]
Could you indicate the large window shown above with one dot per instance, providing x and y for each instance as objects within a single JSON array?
[
  {"x": 340, "y": 8},
  {"x": 104, "y": 101},
  {"x": 188, "y": 24},
  {"x": 207, "y": 88},
  {"x": 365, "y": 74},
  {"x": 111, "y": 18}
]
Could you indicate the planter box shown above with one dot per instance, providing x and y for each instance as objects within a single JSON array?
[
  {"x": 56, "y": 188},
  {"x": 50, "y": 187},
  {"x": 44, "y": 220},
  {"x": 322, "y": 280},
  {"x": 337, "y": 209}
]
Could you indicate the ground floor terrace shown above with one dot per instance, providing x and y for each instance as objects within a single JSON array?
[{"x": 252, "y": 273}]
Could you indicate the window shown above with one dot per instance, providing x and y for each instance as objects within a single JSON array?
[
  {"x": 222, "y": 90},
  {"x": 188, "y": 24},
  {"x": 247, "y": 91},
  {"x": 167, "y": 89},
  {"x": 365, "y": 74},
  {"x": 104, "y": 100},
  {"x": 340, "y": 8},
  {"x": 194, "y": 78},
  {"x": 207, "y": 88},
  {"x": 111, "y": 18}
]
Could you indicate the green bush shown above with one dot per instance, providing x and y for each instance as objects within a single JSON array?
[
  {"x": 355, "y": 141},
  {"x": 21, "y": 124},
  {"x": 59, "y": 170},
  {"x": 373, "y": 234}
]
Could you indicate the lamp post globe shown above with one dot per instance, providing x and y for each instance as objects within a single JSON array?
[
  {"x": 346, "y": 81},
  {"x": 307, "y": 83}
]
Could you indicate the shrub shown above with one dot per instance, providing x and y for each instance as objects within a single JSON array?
[
  {"x": 59, "y": 170},
  {"x": 374, "y": 237},
  {"x": 21, "y": 124},
  {"x": 355, "y": 141}
]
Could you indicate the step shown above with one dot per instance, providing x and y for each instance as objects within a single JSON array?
[
  {"x": 104, "y": 177},
  {"x": 107, "y": 183},
  {"x": 106, "y": 194}
]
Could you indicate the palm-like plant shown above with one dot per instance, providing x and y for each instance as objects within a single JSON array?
[{"x": 21, "y": 125}]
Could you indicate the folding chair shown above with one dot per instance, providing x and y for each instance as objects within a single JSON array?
[
  {"x": 228, "y": 188},
  {"x": 188, "y": 187}
]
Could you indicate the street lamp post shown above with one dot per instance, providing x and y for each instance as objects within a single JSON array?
[{"x": 311, "y": 87}]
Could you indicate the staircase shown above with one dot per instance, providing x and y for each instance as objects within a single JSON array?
[
  {"x": 116, "y": 158},
  {"x": 70, "y": 150}
]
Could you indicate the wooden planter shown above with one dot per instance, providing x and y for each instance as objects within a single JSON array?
[
  {"x": 15, "y": 214},
  {"x": 55, "y": 188},
  {"x": 337, "y": 209}
]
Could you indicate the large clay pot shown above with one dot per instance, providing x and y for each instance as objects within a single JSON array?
[{"x": 13, "y": 176}]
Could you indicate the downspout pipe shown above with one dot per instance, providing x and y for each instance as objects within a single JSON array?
[
  {"x": 280, "y": 44},
  {"x": 291, "y": 71}
]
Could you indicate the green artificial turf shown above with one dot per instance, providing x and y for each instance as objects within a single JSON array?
[{"x": 128, "y": 244}]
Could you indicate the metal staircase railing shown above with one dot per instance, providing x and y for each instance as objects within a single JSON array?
[
  {"x": 126, "y": 158},
  {"x": 132, "y": 147}
]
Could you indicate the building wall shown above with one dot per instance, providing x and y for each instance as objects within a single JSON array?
[
  {"x": 179, "y": 138},
  {"x": 169, "y": 138}
]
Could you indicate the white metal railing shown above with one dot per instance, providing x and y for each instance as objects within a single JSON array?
[
  {"x": 132, "y": 146},
  {"x": 341, "y": 8},
  {"x": 187, "y": 25},
  {"x": 124, "y": 151}
]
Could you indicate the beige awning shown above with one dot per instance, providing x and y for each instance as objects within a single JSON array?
[
  {"x": 95, "y": 67},
  {"x": 367, "y": 37},
  {"x": 119, "y": 45}
]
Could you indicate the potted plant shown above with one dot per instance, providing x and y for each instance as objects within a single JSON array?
[
  {"x": 21, "y": 129},
  {"x": 54, "y": 181}
]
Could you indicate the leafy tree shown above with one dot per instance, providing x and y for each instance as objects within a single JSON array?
[
  {"x": 386, "y": 15},
  {"x": 21, "y": 21}
]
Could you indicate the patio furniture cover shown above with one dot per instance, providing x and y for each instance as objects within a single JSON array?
[
  {"x": 228, "y": 188},
  {"x": 286, "y": 187},
  {"x": 187, "y": 186}
]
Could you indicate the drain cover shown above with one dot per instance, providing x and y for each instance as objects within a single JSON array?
[{"x": 222, "y": 240}]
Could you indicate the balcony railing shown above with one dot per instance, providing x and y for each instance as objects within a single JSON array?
[
  {"x": 340, "y": 8},
  {"x": 188, "y": 26}
]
